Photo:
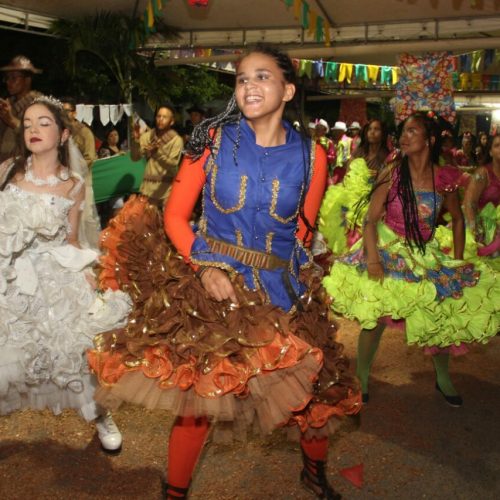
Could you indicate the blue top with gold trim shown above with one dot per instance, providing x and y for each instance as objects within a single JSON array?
[{"x": 254, "y": 205}]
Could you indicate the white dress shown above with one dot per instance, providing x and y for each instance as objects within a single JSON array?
[{"x": 49, "y": 311}]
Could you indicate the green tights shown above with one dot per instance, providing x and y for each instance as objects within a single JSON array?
[{"x": 368, "y": 343}]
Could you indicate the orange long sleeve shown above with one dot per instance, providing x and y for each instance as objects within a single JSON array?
[
  {"x": 186, "y": 189},
  {"x": 315, "y": 194}
]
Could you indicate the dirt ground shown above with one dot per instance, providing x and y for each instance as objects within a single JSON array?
[{"x": 410, "y": 443}]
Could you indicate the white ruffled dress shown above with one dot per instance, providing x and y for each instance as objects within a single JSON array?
[{"x": 49, "y": 311}]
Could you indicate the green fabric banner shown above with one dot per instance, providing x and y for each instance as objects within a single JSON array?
[{"x": 116, "y": 176}]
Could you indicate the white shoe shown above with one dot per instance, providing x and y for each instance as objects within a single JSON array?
[{"x": 109, "y": 434}]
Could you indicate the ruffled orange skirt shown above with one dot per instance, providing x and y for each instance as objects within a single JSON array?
[{"x": 184, "y": 352}]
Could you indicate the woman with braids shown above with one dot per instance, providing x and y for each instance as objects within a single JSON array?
[
  {"x": 236, "y": 333},
  {"x": 339, "y": 211},
  {"x": 397, "y": 271}
]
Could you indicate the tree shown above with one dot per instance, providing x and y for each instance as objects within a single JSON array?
[{"x": 103, "y": 56}]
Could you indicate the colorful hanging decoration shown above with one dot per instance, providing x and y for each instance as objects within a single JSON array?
[
  {"x": 151, "y": 13},
  {"x": 315, "y": 25},
  {"x": 345, "y": 75},
  {"x": 425, "y": 83}
]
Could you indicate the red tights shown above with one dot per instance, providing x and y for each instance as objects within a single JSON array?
[
  {"x": 186, "y": 442},
  {"x": 315, "y": 449}
]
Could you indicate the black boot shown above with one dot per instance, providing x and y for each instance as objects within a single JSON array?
[
  {"x": 313, "y": 477},
  {"x": 171, "y": 492}
]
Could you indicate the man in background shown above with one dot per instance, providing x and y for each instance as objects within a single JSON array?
[
  {"x": 18, "y": 76},
  {"x": 82, "y": 135}
]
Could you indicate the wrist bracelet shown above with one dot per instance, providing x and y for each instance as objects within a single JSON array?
[{"x": 201, "y": 271}]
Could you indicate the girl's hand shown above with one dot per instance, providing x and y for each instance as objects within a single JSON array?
[
  {"x": 375, "y": 271},
  {"x": 218, "y": 285}
]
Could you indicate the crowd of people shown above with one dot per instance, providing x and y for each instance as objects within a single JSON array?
[{"x": 213, "y": 299}]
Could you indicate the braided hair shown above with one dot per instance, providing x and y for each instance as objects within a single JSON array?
[
  {"x": 204, "y": 133},
  {"x": 405, "y": 191}
]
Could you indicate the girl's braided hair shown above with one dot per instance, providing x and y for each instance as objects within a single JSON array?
[
  {"x": 405, "y": 191},
  {"x": 204, "y": 133}
]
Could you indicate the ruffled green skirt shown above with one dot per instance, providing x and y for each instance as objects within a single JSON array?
[
  {"x": 342, "y": 210},
  {"x": 489, "y": 221},
  {"x": 444, "y": 302}
]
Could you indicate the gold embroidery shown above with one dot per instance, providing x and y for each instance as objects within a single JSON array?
[
  {"x": 256, "y": 279},
  {"x": 308, "y": 253},
  {"x": 203, "y": 218},
  {"x": 269, "y": 242},
  {"x": 239, "y": 238},
  {"x": 263, "y": 286},
  {"x": 312, "y": 161},
  {"x": 274, "y": 203},
  {"x": 241, "y": 196}
]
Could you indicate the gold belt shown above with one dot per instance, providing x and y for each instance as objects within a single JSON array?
[{"x": 252, "y": 258}]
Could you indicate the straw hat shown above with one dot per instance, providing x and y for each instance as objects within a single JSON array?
[{"x": 21, "y": 63}]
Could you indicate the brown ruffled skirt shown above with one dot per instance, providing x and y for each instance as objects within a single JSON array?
[{"x": 182, "y": 351}]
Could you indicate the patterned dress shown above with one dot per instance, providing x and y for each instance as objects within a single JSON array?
[{"x": 445, "y": 303}]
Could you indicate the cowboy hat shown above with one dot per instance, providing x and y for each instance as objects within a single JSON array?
[
  {"x": 323, "y": 123},
  {"x": 340, "y": 126},
  {"x": 354, "y": 125},
  {"x": 21, "y": 63}
]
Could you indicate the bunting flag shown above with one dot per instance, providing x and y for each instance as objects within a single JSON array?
[
  {"x": 459, "y": 70},
  {"x": 331, "y": 71},
  {"x": 320, "y": 34},
  {"x": 151, "y": 13},
  {"x": 305, "y": 15},
  {"x": 315, "y": 25},
  {"x": 345, "y": 72}
]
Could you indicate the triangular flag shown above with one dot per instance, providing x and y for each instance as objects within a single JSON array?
[{"x": 354, "y": 475}]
